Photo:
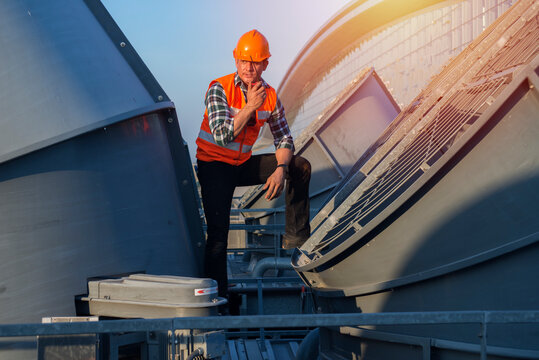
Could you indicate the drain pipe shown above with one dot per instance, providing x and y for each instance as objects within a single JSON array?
[{"x": 279, "y": 263}]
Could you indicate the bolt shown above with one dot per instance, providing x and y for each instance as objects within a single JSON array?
[
  {"x": 122, "y": 44},
  {"x": 160, "y": 98},
  {"x": 170, "y": 120}
]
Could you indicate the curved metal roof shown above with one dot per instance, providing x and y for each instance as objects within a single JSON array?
[{"x": 334, "y": 40}]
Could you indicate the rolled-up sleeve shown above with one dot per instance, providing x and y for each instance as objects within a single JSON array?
[
  {"x": 220, "y": 122},
  {"x": 282, "y": 138}
]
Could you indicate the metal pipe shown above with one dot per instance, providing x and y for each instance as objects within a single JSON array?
[
  {"x": 268, "y": 263},
  {"x": 308, "y": 349}
]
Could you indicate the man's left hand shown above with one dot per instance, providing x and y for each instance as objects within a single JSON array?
[{"x": 275, "y": 184}]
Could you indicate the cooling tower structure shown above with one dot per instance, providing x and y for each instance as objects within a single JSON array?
[
  {"x": 95, "y": 178},
  {"x": 333, "y": 143},
  {"x": 447, "y": 215},
  {"x": 424, "y": 238},
  {"x": 405, "y": 43}
]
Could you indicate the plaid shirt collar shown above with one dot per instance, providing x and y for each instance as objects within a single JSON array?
[{"x": 239, "y": 82}]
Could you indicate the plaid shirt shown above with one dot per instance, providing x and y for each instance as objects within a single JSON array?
[{"x": 222, "y": 124}]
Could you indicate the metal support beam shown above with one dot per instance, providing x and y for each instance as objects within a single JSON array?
[{"x": 274, "y": 321}]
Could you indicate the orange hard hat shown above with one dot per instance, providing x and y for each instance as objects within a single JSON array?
[{"x": 252, "y": 46}]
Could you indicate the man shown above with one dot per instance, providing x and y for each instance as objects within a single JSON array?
[{"x": 237, "y": 105}]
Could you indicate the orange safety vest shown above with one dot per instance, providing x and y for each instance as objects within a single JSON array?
[{"x": 238, "y": 151}]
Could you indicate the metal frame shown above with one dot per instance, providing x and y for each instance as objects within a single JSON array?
[
  {"x": 273, "y": 321},
  {"x": 482, "y": 318}
]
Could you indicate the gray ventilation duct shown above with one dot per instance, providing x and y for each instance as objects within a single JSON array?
[{"x": 95, "y": 178}]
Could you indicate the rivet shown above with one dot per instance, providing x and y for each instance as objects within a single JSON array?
[
  {"x": 160, "y": 98},
  {"x": 122, "y": 44},
  {"x": 170, "y": 120}
]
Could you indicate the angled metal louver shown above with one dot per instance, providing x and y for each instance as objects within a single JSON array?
[
  {"x": 476, "y": 87},
  {"x": 460, "y": 111}
]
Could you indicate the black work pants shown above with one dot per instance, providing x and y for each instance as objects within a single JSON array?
[{"x": 218, "y": 181}]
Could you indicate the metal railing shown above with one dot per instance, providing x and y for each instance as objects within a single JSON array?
[{"x": 482, "y": 318}]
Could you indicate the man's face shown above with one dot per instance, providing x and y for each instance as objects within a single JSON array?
[{"x": 250, "y": 71}]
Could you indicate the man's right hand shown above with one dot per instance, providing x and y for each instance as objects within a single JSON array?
[{"x": 256, "y": 94}]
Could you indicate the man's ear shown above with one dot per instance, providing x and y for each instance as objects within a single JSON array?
[{"x": 265, "y": 62}]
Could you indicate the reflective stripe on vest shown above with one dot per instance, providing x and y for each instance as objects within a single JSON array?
[
  {"x": 262, "y": 115},
  {"x": 231, "y": 145}
]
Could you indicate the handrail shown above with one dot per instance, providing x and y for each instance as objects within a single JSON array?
[{"x": 273, "y": 321}]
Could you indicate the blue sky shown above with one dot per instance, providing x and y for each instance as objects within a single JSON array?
[{"x": 186, "y": 44}]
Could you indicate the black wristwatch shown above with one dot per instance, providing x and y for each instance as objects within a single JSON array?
[{"x": 284, "y": 166}]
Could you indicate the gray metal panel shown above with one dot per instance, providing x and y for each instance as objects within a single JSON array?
[
  {"x": 61, "y": 75},
  {"x": 358, "y": 123},
  {"x": 107, "y": 202},
  {"x": 324, "y": 173},
  {"x": 342, "y": 133},
  {"x": 95, "y": 178}
]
